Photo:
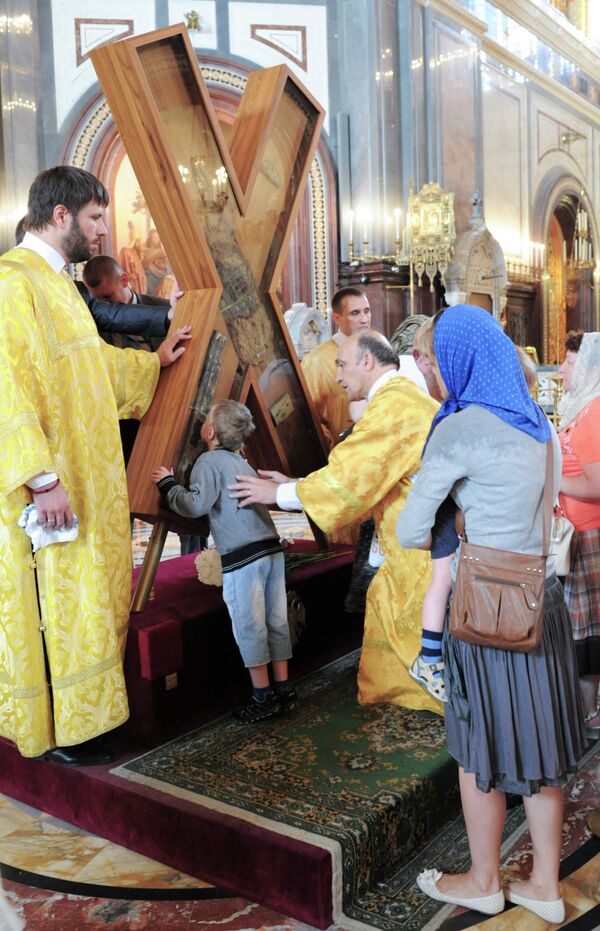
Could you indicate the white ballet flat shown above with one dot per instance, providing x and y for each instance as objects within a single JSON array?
[
  {"x": 487, "y": 904},
  {"x": 553, "y": 911}
]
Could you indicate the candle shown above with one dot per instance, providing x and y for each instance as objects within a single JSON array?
[
  {"x": 564, "y": 251},
  {"x": 397, "y": 213},
  {"x": 351, "y": 226}
]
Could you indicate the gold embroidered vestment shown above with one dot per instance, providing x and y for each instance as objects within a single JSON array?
[
  {"x": 369, "y": 474},
  {"x": 63, "y": 390}
]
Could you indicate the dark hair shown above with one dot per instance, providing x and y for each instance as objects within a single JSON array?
[
  {"x": 573, "y": 340},
  {"x": 338, "y": 297},
  {"x": 232, "y": 422},
  {"x": 66, "y": 185},
  {"x": 98, "y": 267},
  {"x": 20, "y": 230},
  {"x": 379, "y": 347}
]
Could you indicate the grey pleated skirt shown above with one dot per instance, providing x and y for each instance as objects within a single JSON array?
[{"x": 515, "y": 719}]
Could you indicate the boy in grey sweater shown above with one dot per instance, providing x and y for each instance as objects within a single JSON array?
[{"x": 250, "y": 549}]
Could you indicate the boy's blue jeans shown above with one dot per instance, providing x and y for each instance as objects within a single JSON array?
[{"x": 257, "y": 603}]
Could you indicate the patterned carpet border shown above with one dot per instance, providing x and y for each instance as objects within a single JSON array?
[
  {"x": 366, "y": 784},
  {"x": 373, "y": 786}
]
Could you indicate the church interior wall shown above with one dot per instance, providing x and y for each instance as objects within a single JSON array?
[
  {"x": 477, "y": 95},
  {"x": 504, "y": 156}
]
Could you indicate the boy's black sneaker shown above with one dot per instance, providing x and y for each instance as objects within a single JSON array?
[
  {"x": 288, "y": 699},
  {"x": 253, "y": 711}
]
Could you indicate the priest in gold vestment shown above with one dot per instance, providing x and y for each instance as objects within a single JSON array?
[
  {"x": 64, "y": 610},
  {"x": 369, "y": 474},
  {"x": 351, "y": 312}
]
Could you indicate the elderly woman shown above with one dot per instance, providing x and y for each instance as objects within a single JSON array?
[
  {"x": 513, "y": 719},
  {"x": 580, "y": 500}
]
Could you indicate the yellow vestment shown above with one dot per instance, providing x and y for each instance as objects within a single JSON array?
[
  {"x": 63, "y": 390},
  {"x": 330, "y": 399},
  {"x": 369, "y": 474}
]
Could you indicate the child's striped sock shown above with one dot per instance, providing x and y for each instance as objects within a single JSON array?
[{"x": 431, "y": 646}]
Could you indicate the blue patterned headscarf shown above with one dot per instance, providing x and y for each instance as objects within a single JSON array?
[{"x": 479, "y": 365}]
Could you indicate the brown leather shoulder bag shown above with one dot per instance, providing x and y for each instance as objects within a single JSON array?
[{"x": 498, "y": 598}]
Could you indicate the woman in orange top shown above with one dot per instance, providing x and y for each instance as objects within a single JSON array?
[{"x": 580, "y": 500}]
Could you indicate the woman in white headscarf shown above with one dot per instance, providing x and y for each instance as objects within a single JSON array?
[{"x": 580, "y": 500}]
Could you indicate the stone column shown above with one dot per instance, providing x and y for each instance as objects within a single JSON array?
[
  {"x": 19, "y": 112},
  {"x": 365, "y": 86}
]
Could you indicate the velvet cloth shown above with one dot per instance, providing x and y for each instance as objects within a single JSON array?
[
  {"x": 285, "y": 874},
  {"x": 156, "y": 633}
]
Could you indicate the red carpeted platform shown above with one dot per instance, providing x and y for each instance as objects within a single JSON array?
[
  {"x": 182, "y": 669},
  {"x": 182, "y": 664},
  {"x": 280, "y": 872}
]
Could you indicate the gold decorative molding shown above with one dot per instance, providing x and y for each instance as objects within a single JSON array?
[
  {"x": 566, "y": 96},
  {"x": 319, "y": 238},
  {"x": 81, "y": 150},
  {"x": 83, "y": 56},
  {"x": 430, "y": 231},
  {"x": 544, "y": 25},
  {"x": 301, "y": 60},
  {"x": 541, "y": 24}
]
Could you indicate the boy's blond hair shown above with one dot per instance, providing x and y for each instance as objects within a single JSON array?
[
  {"x": 232, "y": 422},
  {"x": 423, "y": 341},
  {"x": 527, "y": 367}
]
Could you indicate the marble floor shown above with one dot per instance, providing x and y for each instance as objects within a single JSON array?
[
  {"x": 60, "y": 877},
  {"x": 57, "y": 876}
]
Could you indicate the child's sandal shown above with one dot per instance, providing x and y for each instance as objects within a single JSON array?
[{"x": 424, "y": 674}]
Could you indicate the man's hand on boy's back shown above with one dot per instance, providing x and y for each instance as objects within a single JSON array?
[{"x": 160, "y": 473}]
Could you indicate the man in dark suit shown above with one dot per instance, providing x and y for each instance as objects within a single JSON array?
[
  {"x": 144, "y": 319},
  {"x": 107, "y": 282}
]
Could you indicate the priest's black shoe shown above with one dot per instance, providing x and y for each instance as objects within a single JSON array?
[{"x": 90, "y": 753}]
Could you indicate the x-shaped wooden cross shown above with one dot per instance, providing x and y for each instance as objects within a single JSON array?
[{"x": 225, "y": 213}]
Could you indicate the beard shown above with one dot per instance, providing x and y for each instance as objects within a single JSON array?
[{"x": 75, "y": 245}]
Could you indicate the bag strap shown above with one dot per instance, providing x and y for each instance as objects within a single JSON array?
[{"x": 546, "y": 504}]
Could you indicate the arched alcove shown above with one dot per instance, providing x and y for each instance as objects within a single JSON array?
[{"x": 565, "y": 222}]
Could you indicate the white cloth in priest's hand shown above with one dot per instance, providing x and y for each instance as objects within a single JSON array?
[{"x": 42, "y": 535}]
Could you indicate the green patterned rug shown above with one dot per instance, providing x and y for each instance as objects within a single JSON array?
[{"x": 376, "y": 781}]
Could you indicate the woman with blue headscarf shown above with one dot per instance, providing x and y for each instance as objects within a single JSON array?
[{"x": 513, "y": 720}]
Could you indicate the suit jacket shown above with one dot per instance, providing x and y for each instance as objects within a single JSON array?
[{"x": 147, "y": 318}]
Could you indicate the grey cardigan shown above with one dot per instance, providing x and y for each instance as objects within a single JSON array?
[
  {"x": 494, "y": 472},
  {"x": 241, "y": 535}
]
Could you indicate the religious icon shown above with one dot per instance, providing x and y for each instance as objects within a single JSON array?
[{"x": 193, "y": 22}]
